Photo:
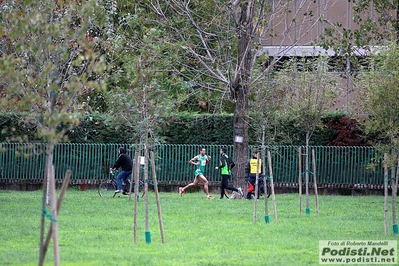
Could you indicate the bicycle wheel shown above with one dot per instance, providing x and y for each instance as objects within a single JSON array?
[
  {"x": 126, "y": 187},
  {"x": 107, "y": 189}
]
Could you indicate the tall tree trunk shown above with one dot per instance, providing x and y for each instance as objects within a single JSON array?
[
  {"x": 240, "y": 91},
  {"x": 240, "y": 139}
]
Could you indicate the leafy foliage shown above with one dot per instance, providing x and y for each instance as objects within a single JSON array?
[
  {"x": 375, "y": 22},
  {"x": 201, "y": 129},
  {"x": 307, "y": 89},
  {"x": 189, "y": 128},
  {"x": 143, "y": 86},
  {"x": 47, "y": 62},
  {"x": 379, "y": 91},
  {"x": 13, "y": 128},
  {"x": 203, "y": 34},
  {"x": 346, "y": 132}
]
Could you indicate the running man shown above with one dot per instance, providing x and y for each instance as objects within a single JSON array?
[{"x": 200, "y": 161}]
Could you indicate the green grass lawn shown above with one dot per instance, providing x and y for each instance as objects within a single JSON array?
[{"x": 98, "y": 231}]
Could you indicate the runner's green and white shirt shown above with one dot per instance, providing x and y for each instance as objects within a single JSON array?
[{"x": 201, "y": 166}]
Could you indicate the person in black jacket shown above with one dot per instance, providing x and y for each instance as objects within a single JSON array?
[
  {"x": 125, "y": 162},
  {"x": 225, "y": 165}
]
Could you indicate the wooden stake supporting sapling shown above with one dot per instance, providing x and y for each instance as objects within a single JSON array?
[
  {"x": 267, "y": 219},
  {"x": 394, "y": 185},
  {"x": 154, "y": 174},
  {"x": 256, "y": 189},
  {"x": 144, "y": 162},
  {"x": 272, "y": 186},
  {"x": 315, "y": 181},
  {"x": 386, "y": 193},
  {"x": 132, "y": 178},
  {"x": 136, "y": 194},
  {"x": 147, "y": 226},
  {"x": 307, "y": 180},
  {"x": 54, "y": 220},
  {"x": 64, "y": 186},
  {"x": 300, "y": 178}
]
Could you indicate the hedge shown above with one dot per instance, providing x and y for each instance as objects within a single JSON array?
[{"x": 187, "y": 128}]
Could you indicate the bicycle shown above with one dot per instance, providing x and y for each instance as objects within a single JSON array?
[{"x": 107, "y": 187}]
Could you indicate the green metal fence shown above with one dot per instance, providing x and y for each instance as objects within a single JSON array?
[
  {"x": 334, "y": 165},
  {"x": 91, "y": 162}
]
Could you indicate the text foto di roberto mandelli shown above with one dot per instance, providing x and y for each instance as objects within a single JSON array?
[{"x": 358, "y": 243}]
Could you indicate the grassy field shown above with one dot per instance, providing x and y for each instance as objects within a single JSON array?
[{"x": 98, "y": 231}]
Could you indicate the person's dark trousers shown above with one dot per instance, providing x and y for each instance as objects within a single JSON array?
[
  {"x": 123, "y": 176},
  {"x": 252, "y": 181},
  {"x": 261, "y": 187},
  {"x": 225, "y": 185}
]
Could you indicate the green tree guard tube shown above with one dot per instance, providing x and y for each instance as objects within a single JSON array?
[
  {"x": 395, "y": 229},
  {"x": 148, "y": 237}
]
